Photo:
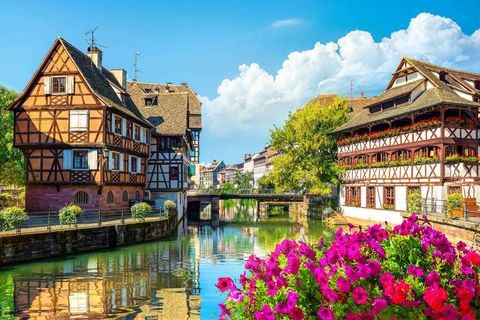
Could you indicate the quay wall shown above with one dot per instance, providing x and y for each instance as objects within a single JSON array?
[{"x": 27, "y": 247}]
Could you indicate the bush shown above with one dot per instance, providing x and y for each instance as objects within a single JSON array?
[
  {"x": 140, "y": 210},
  {"x": 169, "y": 206},
  {"x": 410, "y": 272},
  {"x": 12, "y": 217},
  {"x": 414, "y": 202},
  {"x": 454, "y": 201},
  {"x": 5, "y": 198},
  {"x": 22, "y": 196},
  {"x": 69, "y": 214}
]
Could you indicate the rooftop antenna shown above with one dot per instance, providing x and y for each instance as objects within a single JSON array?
[
  {"x": 135, "y": 65},
  {"x": 351, "y": 88},
  {"x": 92, "y": 45}
]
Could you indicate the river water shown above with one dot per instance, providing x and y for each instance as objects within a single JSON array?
[{"x": 169, "y": 279}]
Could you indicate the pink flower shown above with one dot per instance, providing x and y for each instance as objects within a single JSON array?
[
  {"x": 325, "y": 314},
  {"x": 281, "y": 308},
  {"x": 415, "y": 271},
  {"x": 224, "y": 284},
  {"x": 267, "y": 312},
  {"x": 359, "y": 295},
  {"x": 296, "y": 313},
  {"x": 235, "y": 296},
  {"x": 353, "y": 316},
  {"x": 343, "y": 284},
  {"x": 379, "y": 305}
]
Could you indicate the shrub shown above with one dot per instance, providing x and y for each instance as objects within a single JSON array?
[
  {"x": 12, "y": 217},
  {"x": 169, "y": 206},
  {"x": 140, "y": 210},
  {"x": 69, "y": 214},
  {"x": 454, "y": 201},
  {"x": 22, "y": 196},
  {"x": 414, "y": 202},
  {"x": 5, "y": 198},
  {"x": 410, "y": 272}
]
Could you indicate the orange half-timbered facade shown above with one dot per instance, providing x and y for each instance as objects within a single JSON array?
[
  {"x": 421, "y": 134},
  {"x": 83, "y": 139}
]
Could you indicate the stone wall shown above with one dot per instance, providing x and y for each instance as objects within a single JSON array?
[{"x": 26, "y": 247}]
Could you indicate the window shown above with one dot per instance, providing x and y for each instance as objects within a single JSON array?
[
  {"x": 477, "y": 85},
  {"x": 124, "y": 196},
  {"x": 136, "y": 132},
  {"x": 389, "y": 195},
  {"x": 352, "y": 196},
  {"x": 80, "y": 159},
  {"x": 110, "y": 197},
  {"x": 454, "y": 189},
  {"x": 174, "y": 173},
  {"x": 148, "y": 102},
  {"x": 133, "y": 164},
  {"x": 59, "y": 84},
  {"x": 411, "y": 190},
  {"x": 148, "y": 90},
  {"x": 401, "y": 155},
  {"x": 117, "y": 124},
  {"x": 137, "y": 195},
  {"x": 115, "y": 161},
  {"x": 371, "y": 197},
  {"x": 79, "y": 120},
  {"x": 81, "y": 197}
]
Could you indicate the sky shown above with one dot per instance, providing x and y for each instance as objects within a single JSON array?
[{"x": 250, "y": 62}]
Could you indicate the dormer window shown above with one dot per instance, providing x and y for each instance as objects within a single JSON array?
[
  {"x": 148, "y": 102},
  {"x": 442, "y": 75},
  {"x": 59, "y": 84},
  {"x": 148, "y": 90},
  {"x": 477, "y": 85}
]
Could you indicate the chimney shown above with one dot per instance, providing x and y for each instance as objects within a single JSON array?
[
  {"x": 121, "y": 76},
  {"x": 362, "y": 95},
  {"x": 96, "y": 55}
]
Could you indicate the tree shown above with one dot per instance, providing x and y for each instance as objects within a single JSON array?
[
  {"x": 11, "y": 159},
  {"x": 265, "y": 183},
  {"x": 243, "y": 180},
  {"x": 307, "y": 153}
]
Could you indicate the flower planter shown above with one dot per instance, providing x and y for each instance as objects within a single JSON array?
[{"x": 472, "y": 209}]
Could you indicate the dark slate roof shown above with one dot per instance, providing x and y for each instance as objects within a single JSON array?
[
  {"x": 441, "y": 93},
  {"x": 99, "y": 83},
  {"x": 141, "y": 90}
]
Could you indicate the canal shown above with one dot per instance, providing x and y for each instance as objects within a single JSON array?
[{"x": 169, "y": 279}]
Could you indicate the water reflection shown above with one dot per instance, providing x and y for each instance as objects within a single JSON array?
[{"x": 170, "y": 279}]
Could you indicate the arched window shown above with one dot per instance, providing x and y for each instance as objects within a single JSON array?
[
  {"x": 110, "y": 197},
  {"x": 380, "y": 157},
  {"x": 81, "y": 197},
  {"x": 137, "y": 195},
  {"x": 402, "y": 155},
  {"x": 124, "y": 196}
]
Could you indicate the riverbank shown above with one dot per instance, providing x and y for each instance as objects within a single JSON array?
[{"x": 18, "y": 248}]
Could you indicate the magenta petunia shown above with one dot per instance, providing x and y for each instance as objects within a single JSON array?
[
  {"x": 271, "y": 288},
  {"x": 352, "y": 274},
  {"x": 224, "y": 284},
  {"x": 281, "y": 308},
  {"x": 359, "y": 295},
  {"x": 353, "y": 316},
  {"x": 449, "y": 312},
  {"x": 330, "y": 295},
  {"x": 415, "y": 271},
  {"x": 375, "y": 267},
  {"x": 325, "y": 314},
  {"x": 343, "y": 284},
  {"x": 379, "y": 305},
  {"x": 235, "y": 296},
  {"x": 296, "y": 313},
  {"x": 267, "y": 312}
]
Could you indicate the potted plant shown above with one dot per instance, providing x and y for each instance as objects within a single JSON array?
[
  {"x": 169, "y": 206},
  {"x": 388, "y": 206},
  {"x": 414, "y": 202},
  {"x": 12, "y": 217},
  {"x": 69, "y": 214},
  {"x": 455, "y": 204},
  {"x": 140, "y": 210}
]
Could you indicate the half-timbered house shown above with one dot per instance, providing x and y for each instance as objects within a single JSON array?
[
  {"x": 175, "y": 111},
  {"x": 420, "y": 134},
  {"x": 83, "y": 139}
]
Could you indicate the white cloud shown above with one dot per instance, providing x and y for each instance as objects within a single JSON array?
[
  {"x": 286, "y": 23},
  {"x": 256, "y": 99}
]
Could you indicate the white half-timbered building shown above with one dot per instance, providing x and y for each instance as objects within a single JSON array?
[{"x": 420, "y": 134}]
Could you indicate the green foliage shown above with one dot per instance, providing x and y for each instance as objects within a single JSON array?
[
  {"x": 228, "y": 188},
  {"x": 169, "y": 206},
  {"x": 307, "y": 154},
  {"x": 265, "y": 183},
  {"x": 11, "y": 159},
  {"x": 140, "y": 210},
  {"x": 414, "y": 202},
  {"x": 12, "y": 217},
  {"x": 69, "y": 214},
  {"x": 22, "y": 197},
  {"x": 5, "y": 197},
  {"x": 243, "y": 180},
  {"x": 454, "y": 201}
]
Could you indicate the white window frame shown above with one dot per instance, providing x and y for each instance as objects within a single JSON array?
[
  {"x": 69, "y": 85},
  {"x": 111, "y": 162},
  {"x": 114, "y": 122},
  {"x": 78, "y": 120},
  {"x": 137, "y": 165},
  {"x": 92, "y": 159}
]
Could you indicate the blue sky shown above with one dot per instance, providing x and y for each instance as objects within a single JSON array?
[{"x": 250, "y": 62}]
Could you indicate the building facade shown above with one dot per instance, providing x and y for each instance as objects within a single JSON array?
[
  {"x": 83, "y": 139},
  {"x": 209, "y": 174},
  {"x": 421, "y": 134}
]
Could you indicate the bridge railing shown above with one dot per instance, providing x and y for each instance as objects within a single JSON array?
[{"x": 237, "y": 191}]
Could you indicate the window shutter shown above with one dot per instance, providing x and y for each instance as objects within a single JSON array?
[
  {"x": 110, "y": 160},
  {"x": 129, "y": 163},
  {"x": 124, "y": 127},
  {"x": 92, "y": 159},
  {"x": 74, "y": 120},
  {"x": 122, "y": 165},
  {"x": 138, "y": 165},
  {"x": 70, "y": 84},
  {"x": 143, "y": 137},
  {"x": 67, "y": 159},
  {"x": 113, "y": 122},
  {"x": 83, "y": 120},
  {"x": 47, "y": 85}
]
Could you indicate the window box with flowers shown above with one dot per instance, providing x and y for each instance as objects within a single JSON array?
[
  {"x": 456, "y": 158},
  {"x": 423, "y": 160},
  {"x": 388, "y": 206},
  {"x": 461, "y": 122},
  {"x": 371, "y": 205},
  {"x": 352, "y": 203}
]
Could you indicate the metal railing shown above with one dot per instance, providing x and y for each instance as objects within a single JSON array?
[
  {"x": 468, "y": 211},
  {"x": 48, "y": 221}
]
